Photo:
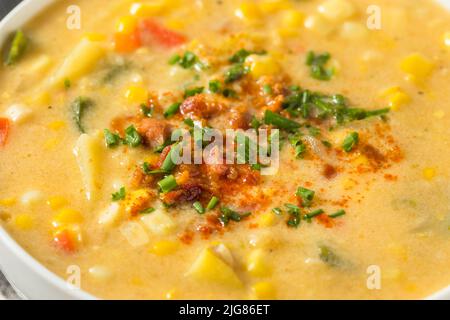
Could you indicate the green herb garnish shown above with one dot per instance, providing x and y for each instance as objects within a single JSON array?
[
  {"x": 294, "y": 212},
  {"x": 198, "y": 207},
  {"x": 229, "y": 214},
  {"x": 111, "y": 139},
  {"x": 167, "y": 184},
  {"x": 119, "y": 195},
  {"x": 193, "y": 91},
  {"x": 337, "y": 214},
  {"x": 132, "y": 137},
  {"x": 172, "y": 109},
  {"x": 280, "y": 121},
  {"x": 79, "y": 107},
  {"x": 212, "y": 203},
  {"x": 317, "y": 63},
  {"x": 350, "y": 141},
  {"x": 17, "y": 49},
  {"x": 306, "y": 195}
]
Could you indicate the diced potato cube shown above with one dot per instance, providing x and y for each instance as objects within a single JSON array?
[
  {"x": 257, "y": 264},
  {"x": 100, "y": 273},
  {"x": 319, "y": 25},
  {"x": 88, "y": 152},
  {"x": 263, "y": 291},
  {"x": 209, "y": 267},
  {"x": 18, "y": 113},
  {"x": 336, "y": 10},
  {"x": 79, "y": 62},
  {"x": 24, "y": 221},
  {"x": 159, "y": 222},
  {"x": 353, "y": 31},
  {"x": 164, "y": 247},
  {"x": 417, "y": 65},
  {"x": 134, "y": 233},
  {"x": 31, "y": 197},
  {"x": 224, "y": 253},
  {"x": 110, "y": 215}
]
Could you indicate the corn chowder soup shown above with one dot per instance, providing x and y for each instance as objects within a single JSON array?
[{"x": 355, "y": 92}]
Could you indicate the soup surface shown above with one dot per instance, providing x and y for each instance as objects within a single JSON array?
[{"x": 358, "y": 90}]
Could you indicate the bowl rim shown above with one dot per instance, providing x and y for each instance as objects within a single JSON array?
[{"x": 20, "y": 15}]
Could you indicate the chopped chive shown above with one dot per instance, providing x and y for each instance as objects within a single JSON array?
[
  {"x": 306, "y": 195},
  {"x": 148, "y": 211},
  {"x": 174, "y": 59},
  {"x": 189, "y": 122},
  {"x": 168, "y": 163},
  {"x": 148, "y": 171},
  {"x": 214, "y": 86},
  {"x": 327, "y": 143},
  {"x": 198, "y": 207},
  {"x": 132, "y": 137},
  {"x": 119, "y": 195},
  {"x": 146, "y": 111},
  {"x": 229, "y": 93},
  {"x": 172, "y": 109},
  {"x": 280, "y": 121},
  {"x": 229, "y": 214},
  {"x": 350, "y": 141},
  {"x": 18, "y": 47},
  {"x": 294, "y": 212},
  {"x": 212, "y": 203},
  {"x": 193, "y": 91},
  {"x": 337, "y": 214},
  {"x": 267, "y": 89},
  {"x": 277, "y": 211},
  {"x": 314, "y": 213},
  {"x": 167, "y": 184}
]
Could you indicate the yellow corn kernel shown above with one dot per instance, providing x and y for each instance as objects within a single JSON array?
[
  {"x": 8, "y": 202},
  {"x": 267, "y": 219},
  {"x": 171, "y": 294},
  {"x": 136, "y": 94},
  {"x": 287, "y": 32},
  {"x": 257, "y": 265},
  {"x": 67, "y": 217},
  {"x": 263, "y": 291},
  {"x": 210, "y": 268},
  {"x": 417, "y": 66},
  {"x": 248, "y": 12},
  {"x": 24, "y": 221},
  {"x": 396, "y": 97},
  {"x": 164, "y": 247},
  {"x": 439, "y": 114},
  {"x": 336, "y": 10},
  {"x": 446, "y": 38},
  {"x": 57, "y": 202},
  {"x": 262, "y": 65},
  {"x": 360, "y": 160},
  {"x": 94, "y": 36},
  {"x": 56, "y": 125},
  {"x": 292, "y": 19},
  {"x": 148, "y": 9},
  {"x": 126, "y": 25},
  {"x": 51, "y": 144},
  {"x": 348, "y": 184},
  {"x": 182, "y": 177},
  {"x": 319, "y": 25},
  {"x": 273, "y": 6},
  {"x": 429, "y": 173}
]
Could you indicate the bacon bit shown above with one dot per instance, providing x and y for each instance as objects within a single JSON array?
[
  {"x": 151, "y": 31},
  {"x": 325, "y": 220},
  {"x": 187, "y": 193},
  {"x": 390, "y": 177},
  {"x": 239, "y": 120},
  {"x": 199, "y": 107},
  {"x": 4, "y": 130},
  {"x": 155, "y": 131},
  {"x": 140, "y": 179},
  {"x": 329, "y": 171},
  {"x": 187, "y": 237},
  {"x": 373, "y": 155}
]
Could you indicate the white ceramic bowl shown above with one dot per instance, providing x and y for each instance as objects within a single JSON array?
[{"x": 30, "y": 278}]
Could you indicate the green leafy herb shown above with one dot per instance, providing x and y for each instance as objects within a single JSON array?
[
  {"x": 198, "y": 207},
  {"x": 294, "y": 215},
  {"x": 317, "y": 63},
  {"x": 280, "y": 121},
  {"x": 255, "y": 123},
  {"x": 306, "y": 195},
  {"x": 119, "y": 195},
  {"x": 229, "y": 93},
  {"x": 228, "y": 214},
  {"x": 167, "y": 184},
  {"x": 172, "y": 109},
  {"x": 79, "y": 107},
  {"x": 215, "y": 86},
  {"x": 111, "y": 139},
  {"x": 168, "y": 164},
  {"x": 350, "y": 141},
  {"x": 241, "y": 55},
  {"x": 337, "y": 214},
  {"x": 313, "y": 214},
  {"x": 132, "y": 137},
  {"x": 193, "y": 91},
  {"x": 146, "y": 110},
  {"x": 299, "y": 146},
  {"x": 212, "y": 203},
  {"x": 114, "y": 71},
  {"x": 327, "y": 144},
  {"x": 17, "y": 49},
  {"x": 277, "y": 211},
  {"x": 187, "y": 61},
  {"x": 267, "y": 89},
  {"x": 148, "y": 211}
]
